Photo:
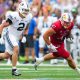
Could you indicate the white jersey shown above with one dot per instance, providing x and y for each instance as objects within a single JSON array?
[
  {"x": 18, "y": 24},
  {"x": 15, "y": 30},
  {"x": 43, "y": 26}
]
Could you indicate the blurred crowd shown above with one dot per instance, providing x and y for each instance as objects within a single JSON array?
[
  {"x": 45, "y": 12},
  {"x": 51, "y": 5}
]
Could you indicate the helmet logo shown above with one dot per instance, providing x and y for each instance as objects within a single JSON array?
[{"x": 66, "y": 17}]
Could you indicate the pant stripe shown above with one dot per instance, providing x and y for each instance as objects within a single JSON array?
[{"x": 8, "y": 39}]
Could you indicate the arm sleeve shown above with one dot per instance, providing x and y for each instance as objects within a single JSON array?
[
  {"x": 8, "y": 20},
  {"x": 54, "y": 27},
  {"x": 9, "y": 17}
]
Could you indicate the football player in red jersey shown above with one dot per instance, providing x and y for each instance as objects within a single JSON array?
[{"x": 54, "y": 38}]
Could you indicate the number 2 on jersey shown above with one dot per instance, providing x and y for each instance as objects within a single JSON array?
[{"x": 21, "y": 26}]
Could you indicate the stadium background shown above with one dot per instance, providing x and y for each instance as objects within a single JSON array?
[{"x": 53, "y": 71}]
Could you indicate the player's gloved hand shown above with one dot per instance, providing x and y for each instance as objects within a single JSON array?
[
  {"x": 52, "y": 48},
  {"x": 70, "y": 40},
  {"x": 23, "y": 39}
]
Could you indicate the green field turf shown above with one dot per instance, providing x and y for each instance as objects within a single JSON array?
[{"x": 44, "y": 72}]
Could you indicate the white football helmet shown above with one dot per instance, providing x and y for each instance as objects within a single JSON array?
[
  {"x": 23, "y": 8},
  {"x": 66, "y": 17}
]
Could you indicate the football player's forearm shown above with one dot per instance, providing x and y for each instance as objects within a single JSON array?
[
  {"x": 4, "y": 24},
  {"x": 46, "y": 39},
  {"x": 47, "y": 35},
  {"x": 1, "y": 28}
]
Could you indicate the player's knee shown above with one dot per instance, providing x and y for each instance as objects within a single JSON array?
[{"x": 16, "y": 50}]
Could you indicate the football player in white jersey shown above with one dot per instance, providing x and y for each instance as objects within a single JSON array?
[{"x": 16, "y": 22}]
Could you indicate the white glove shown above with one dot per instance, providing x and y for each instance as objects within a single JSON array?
[
  {"x": 52, "y": 48},
  {"x": 23, "y": 39},
  {"x": 69, "y": 40}
]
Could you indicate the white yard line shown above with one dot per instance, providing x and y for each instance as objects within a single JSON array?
[
  {"x": 38, "y": 69},
  {"x": 1, "y": 64}
]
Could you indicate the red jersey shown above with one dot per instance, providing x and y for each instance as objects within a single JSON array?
[{"x": 58, "y": 38}]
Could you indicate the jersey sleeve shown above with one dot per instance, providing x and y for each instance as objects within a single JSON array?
[
  {"x": 10, "y": 16},
  {"x": 54, "y": 27}
]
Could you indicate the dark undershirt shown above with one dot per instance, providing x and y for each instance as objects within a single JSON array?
[{"x": 8, "y": 20}]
